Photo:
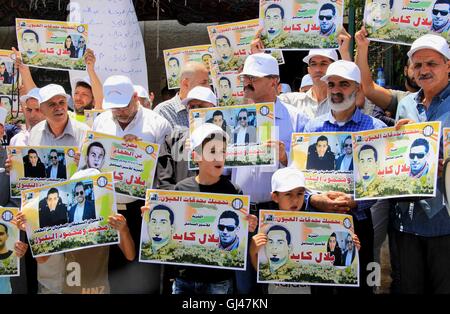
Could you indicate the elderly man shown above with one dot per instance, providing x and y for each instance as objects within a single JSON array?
[
  {"x": 423, "y": 225},
  {"x": 173, "y": 165},
  {"x": 125, "y": 117},
  {"x": 192, "y": 74},
  {"x": 343, "y": 80}
]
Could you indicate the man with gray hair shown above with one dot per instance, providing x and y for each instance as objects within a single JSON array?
[{"x": 192, "y": 74}]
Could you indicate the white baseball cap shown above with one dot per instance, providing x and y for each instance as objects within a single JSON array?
[
  {"x": 32, "y": 93},
  {"x": 260, "y": 64},
  {"x": 346, "y": 69},
  {"x": 285, "y": 88},
  {"x": 85, "y": 173},
  {"x": 329, "y": 53},
  {"x": 287, "y": 179},
  {"x": 141, "y": 91},
  {"x": 430, "y": 41},
  {"x": 85, "y": 80},
  {"x": 117, "y": 92},
  {"x": 306, "y": 81},
  {"x": 3, "y": 114},
  {"x": 51, "y": 90},
  {"x": 204, "y": 131},
  {"x": 200, "y": 93}
]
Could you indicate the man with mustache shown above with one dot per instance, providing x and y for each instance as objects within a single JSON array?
[
  {"x": 343, "y": 79},
  {"x": 422, "y": 226}
]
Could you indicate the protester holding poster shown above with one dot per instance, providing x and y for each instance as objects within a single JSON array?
[
  {"x": 423, "y": 225},
  {"x": 343, "y": 79},
  {"x": 43, "y": 43},
  {"x": 289, "y": 24}
]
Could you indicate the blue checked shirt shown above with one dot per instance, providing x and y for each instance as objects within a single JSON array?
[
  {"x": 358, "y": 122},
  {"x": 425, "y": 217}
]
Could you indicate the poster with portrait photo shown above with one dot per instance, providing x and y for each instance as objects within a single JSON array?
[
  {"x": 249, "y": 128},
  {"x": 195, "y": 229},
  {"x": 133, "y": 163},
  {"x": 36, "y": 166},
  {"x": 174, "y": 60},
  {"x": 9, "y": 235},
  {"x": 90, "y": 116},
  {"x": 446, "y": 136},
  {"x": 307, "y": 248},
  {"x": 393, "y": 163},
  {"x": 229, "y": 89},
  {"x": 231, "y": 44},
  {"x": 326, "y": 160},
  {"x": 8, "y": 75},
  {"x": 300, "y": 25},
  {"x": 71, "y": 215},
  {"x": 52, "y": 45},
  {"x": 400, "y": 22}
]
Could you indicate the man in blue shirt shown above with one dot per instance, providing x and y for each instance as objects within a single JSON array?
[
  {"x": 423, "y": 225},
  {"x": 343, "y": 79}
]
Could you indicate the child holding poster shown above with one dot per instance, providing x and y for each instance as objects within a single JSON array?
[{"x": 288, "y": 191}]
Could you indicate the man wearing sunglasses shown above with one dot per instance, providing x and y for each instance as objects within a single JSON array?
[
  {"x": 56, "y": 170},
  {"x": 327, "y": 17},
  {"x": 345, "y": 161},
  {"x": 418, "y": 158},
  {"x": 244, "y": 133},
  {"x": 84, "y": 209},
  {"x": 440, "y": 16},
  {"x": 228, "y": 227},
  {"x": 81, "y": 47}
]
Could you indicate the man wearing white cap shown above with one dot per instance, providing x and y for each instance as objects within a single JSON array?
[
  {"x": 173, "y": 155},
  {"x": 144, "y": 97},
  {"x": 343, "y": 80},
  {"x": 306, "y": 83},
  {"x": 125, "y": 117},
  {"x": 192, "y": 74},
  {"x": 423, "y": 226},
  {"x": 32, "y": 114}
]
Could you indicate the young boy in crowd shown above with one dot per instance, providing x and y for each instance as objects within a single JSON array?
[
  {"x": 209, "y": 144},
  {"x": 288, "y": 191}
]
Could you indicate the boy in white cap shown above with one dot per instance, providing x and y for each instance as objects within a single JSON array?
[
  {"x": 173, "y": 155},
  {"x": 423, "y": 238},
  {"x": 209, "y": 145},
  {"x": 306, "y": 83},
  {"x": 343, "y": 80},
  {"x": 144, "y": 97}
]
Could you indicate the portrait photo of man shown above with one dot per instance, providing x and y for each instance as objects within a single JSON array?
[
  {"x": 244, "y": 133},
  {"x": 160, "y": 227},
  {"x": 226, "y": 92},
  {"x": 84, "y": 209},
  {"x": 378, "y": 13},
  {"x": 173, "y": 69},
  {"x": 327, "y": 19},
  {"x": 56, "y": 170},
  {"x": 81, "y": 47},
  {"x": 227, "y": 60},
  {"x": 52, "y": 211},
  {"x": 228, "y": 227},
  {"x": 368, "y": 164},
  {"x": 206, "y": 60},
  {"x": 349, "y": 252},
  {"x": 278, "y": 247},
  {"x": 95, "y": 156},
  {"x": 30, "y": 43},
  {"x": 274, "y": 24},
  {"x": 345, "y": 161},
  {"x": 440, "y": 16},
  {"x": 33, "y": 166},
  {"x": 5, "y": 252},
  {"x": 418, "y": 158},
  {"x": 320, "y": 156}
]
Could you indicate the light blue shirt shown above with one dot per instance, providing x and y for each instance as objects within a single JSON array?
[
  {"x": 256, "y": 181},
  {"x": 5, "y": 285}
]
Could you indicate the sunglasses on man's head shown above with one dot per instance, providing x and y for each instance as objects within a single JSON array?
[
  {"x": 323, "y": 17},
  {"x": 229, "y": 228},
  {"x": 418, "y": 155},
  {"x": 443, "y": 13},
  {"x": 79, "y": 193}
]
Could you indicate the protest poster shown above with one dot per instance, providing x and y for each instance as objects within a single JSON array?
[
  {"x": 36, "y": 166},
  {"x": 300, "y": 25},
  {"x": 196, "y": 229},
  {"x": 52, "y": 44},
  {"x": 53, "y": 223},
  {"x": 402, "y": 22},
  {"x": 391, "y": 163},
  {"x": 249, "y": 127},
  {"x": 231, "y": 44},
  {"x": 446, "y": 134},
  {"x": 90, "y": 116},
  {"x": 174, "y": 59},
  {"x": 326, "y": 160},
  {"x": 133, "y": 163},
  {"x": 307, "y": 248},
  {"x": 7, "y": 79},
  {"x": 229, "y": 88},
  {"x": 9, "y": 235}
]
